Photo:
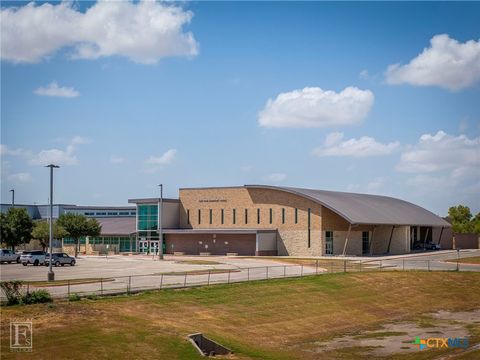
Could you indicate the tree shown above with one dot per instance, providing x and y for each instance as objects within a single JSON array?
[
  {"x": 16, "y": 227},
  {"x": 476, "y": 224},
  {"x": 41, "y": 232},
  {"x": 77, "y": 226},
  {"x": 461, "y": 218}
]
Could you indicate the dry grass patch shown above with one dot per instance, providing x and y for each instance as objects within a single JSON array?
[{"x": 469, "y": 260}]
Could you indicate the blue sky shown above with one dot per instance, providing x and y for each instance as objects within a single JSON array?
[{"x": 207, "y": 94}]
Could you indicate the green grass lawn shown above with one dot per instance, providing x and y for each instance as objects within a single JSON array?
[
  {"x": 468, "y": 260},
  {"x": 274, "y": 319}
]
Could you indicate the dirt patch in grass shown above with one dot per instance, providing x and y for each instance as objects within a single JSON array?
[{"x": 393, "y": 338}]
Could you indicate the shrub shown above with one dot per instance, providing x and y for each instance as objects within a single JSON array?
[
  {"x": 74, "y": 297},
  {"x": 37, "y": 297},
  {"x": 12, "y": 291}
]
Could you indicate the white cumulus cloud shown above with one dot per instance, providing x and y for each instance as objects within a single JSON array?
[
  {"x": 335, "y": 145},
  {"x": 58, "y": 156},
  {"x": 53, "y": 89},
  {"x": 164, "y": 159},
  {"x": 20, "y": 177},
  {"x": 143, "y": 32},
  {"x": 446, "y": 63},
  {"x": 312, "y": 107},
  {"x": 441, "y": 151}
]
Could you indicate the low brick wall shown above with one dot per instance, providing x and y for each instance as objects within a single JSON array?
[{"x": 466, "y": 241}]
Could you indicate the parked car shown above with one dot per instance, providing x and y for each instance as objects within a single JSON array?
[
  {"x": 36, "y": 258},
  {"x": 433, "y": 246},
  {"x": 60, "y": 259},
  {"x": 9, "y": 256}
]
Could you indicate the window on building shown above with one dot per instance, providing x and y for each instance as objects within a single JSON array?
[
  {"x": 222, "y": 216},
  {"x": 210, "y": 216},
  {"x": 296, "y": 216},
  {"x": 271, "y": 215},
  {"x": 147, "y": 217},
  {"x": 308, "y": 224},
  {"x": 188, "y": 216},
  {"x": 246, "y": 216},
  {"x": 283, "y": 215},
  {"x": 328, "y": 242},
  {"x": 199, "y": 216},
  {"x": 365, "y": 242},
  {"x": 258, "y": 216},
  {"x": 234, "y": 215}
]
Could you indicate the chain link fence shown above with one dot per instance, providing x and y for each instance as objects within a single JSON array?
[{"x": 137, "y": 283}]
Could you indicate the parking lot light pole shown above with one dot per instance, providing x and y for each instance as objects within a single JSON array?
[
  {"x": 160, "y": 224},
  {"x": 51, "y": 274},
  {"x": 13, "y": 197}
]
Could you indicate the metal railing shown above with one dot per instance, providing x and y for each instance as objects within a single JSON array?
[{"x": 138, "y": 283}]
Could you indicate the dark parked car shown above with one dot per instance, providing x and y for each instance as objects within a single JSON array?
[
  {"x": 59, "y": 259},
  {"x": 433, "y": 246}
]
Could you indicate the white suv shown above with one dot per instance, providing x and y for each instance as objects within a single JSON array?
[
  {"x": 8, "y": 256},
  {"x": 33, "y": 257}
]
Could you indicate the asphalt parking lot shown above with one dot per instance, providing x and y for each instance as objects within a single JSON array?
[{"x": 120, "y": 265}]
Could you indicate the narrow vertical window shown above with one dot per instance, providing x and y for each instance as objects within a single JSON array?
[
  {"x": 296, "y": 216},
  {"x": 328, "y": 242},
  {"x": 283, "y": 215},
  {"x": 222, "y": 216},
  {"x": 211, "y": 216},
  {"x": 246, "y": 216},
  {"x": 271, "y": 215},
  {"x": 199, "y": 216},
  {"x": 258, "y": 216},
  {"x": 234, "y": 214},
  {"x": 188, "y": 216},
  {"x": 308, "y": 223}
]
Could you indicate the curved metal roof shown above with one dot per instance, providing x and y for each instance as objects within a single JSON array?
[{"x": 365, "y": 208}]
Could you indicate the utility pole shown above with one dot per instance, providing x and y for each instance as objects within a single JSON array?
[
  {"x": 160, "y": 224},
  {"x": 51, "y": 274},
  {"x": 13, "y": 197}
]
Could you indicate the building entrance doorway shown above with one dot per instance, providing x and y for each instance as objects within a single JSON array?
[{"x": 148, "y": 247}]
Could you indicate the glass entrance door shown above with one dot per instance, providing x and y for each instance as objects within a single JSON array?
[
  {"x": 143, "y": 246},
  {"x": 148, "y": 247}
]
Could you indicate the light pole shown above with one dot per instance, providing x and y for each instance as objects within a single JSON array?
[
  {"x": 160, "y": 224},
  {"x": 51, "y": 274},
  {"x": 13, "y": 197}
]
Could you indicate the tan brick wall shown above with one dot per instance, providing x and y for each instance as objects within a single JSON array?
[
  {"x": 292, "y": 237},
  {"x": 332, "y": 221}
]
